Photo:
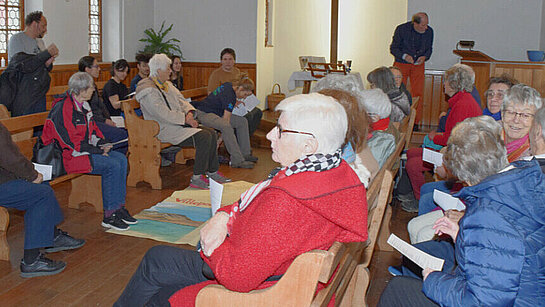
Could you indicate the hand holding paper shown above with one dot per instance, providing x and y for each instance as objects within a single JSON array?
[{"x": 417, "y": 256}]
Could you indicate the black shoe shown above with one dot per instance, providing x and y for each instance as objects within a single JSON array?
[
  {"x": 42, "y": 266},
  {"x": 115, "y": 222},
  {"x": 250, "y": 158},
  {"x": 125, "y": 216},
  {"x": 63, "y": 241}
]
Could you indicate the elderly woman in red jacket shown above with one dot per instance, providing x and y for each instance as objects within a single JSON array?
[{"x": 313, "y": 200}]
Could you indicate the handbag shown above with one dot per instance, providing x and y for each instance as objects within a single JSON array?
[{"x": 50, "y": 154}]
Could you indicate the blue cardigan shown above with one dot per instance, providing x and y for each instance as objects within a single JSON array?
[
  {"x": 500, "y": 248},
  {"x": 407, "y": 41}
]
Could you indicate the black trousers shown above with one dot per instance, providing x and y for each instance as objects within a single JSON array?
[
  {"x": 206, "y": 153},
  {"x": 163, "y": 271}
]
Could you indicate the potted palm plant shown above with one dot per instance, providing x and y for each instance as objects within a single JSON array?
[{"x": 155, "y": 43}]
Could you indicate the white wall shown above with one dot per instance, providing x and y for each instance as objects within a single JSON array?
[
  {"x": 138, "y": 15},
  {"x": 503, "y": 29},
  {"x": 205, "y": 27},
  {"x": 67, "y": 27},
  {"x": 111, "y": 30}
]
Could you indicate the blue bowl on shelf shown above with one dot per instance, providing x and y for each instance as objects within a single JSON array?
[{"x": 535, "y": 55}]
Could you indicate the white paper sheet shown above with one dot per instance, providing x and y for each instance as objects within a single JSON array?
[
  {"x": 216, "y": 192},
  {"x": 433, "y": 157},
  {"x": 248, "y": 105},
  {"x": 422, "y": 259},
  {"x": 119, "y": 121},
  {"x": 44, "y": 169},
  {"x": 447, "y": 201}
]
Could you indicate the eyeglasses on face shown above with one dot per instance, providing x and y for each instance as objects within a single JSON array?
[
  {"x": 490, "y": 94},
  {"x": 281, "y": 130},
  {"x": 508, "y": 114}
]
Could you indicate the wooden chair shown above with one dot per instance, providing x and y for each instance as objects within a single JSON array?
[
  {"x": 320, "y": 70},
  {"x": 298, "y": 285}
]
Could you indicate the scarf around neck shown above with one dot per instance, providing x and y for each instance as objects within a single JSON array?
[
  {"x": 496, "y": 116},
  {"x": 516, "y": 148}
]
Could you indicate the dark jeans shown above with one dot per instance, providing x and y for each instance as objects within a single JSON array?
[
  {"x": 163, "y": 271},
  {"x": 114, "y": 134},
  {"x": 254, "y": 119},
  {"x": 404, "y": 291},
  {"x": 443, "y": 249},
  {"x": 206, "y": 153},
  {"x": 41, "y": 208},
  {"x": 113, "y": 169}
]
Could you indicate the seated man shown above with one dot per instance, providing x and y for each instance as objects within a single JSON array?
[
  {"x": 229, "y": 73},
  {"x": 314, "y": 200},
  {"x": 142, "y": 63},
  {"x": 21, "y": 189}
]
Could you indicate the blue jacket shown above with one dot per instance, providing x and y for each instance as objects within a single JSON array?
[
  {"x": 500, "y": 248},
  {"x": 407, "y": 41}
]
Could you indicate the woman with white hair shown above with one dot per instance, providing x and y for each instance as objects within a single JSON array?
[
  {"x": 311, "y": 201},
  {"x": 497, "y": 258},
  {"x": 85, "y": 150},
  {"x": 162, "y": 102},
  {"x": 458, "y": 84}
]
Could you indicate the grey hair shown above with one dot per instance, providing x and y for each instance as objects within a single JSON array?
[
  {"x": 469, "y": 70},
  {"x": 159, "y": 61},
  {"x": 475, "y": 149},
  {"x": 318, "y": 114},
  {"x": 375, "y": 101},
  {"x": 459, "y": 78},
  {"x": 539, "y": 119},
  {"x": 350, "y": 83},
  {"x": 522, "y": 94},
  {"x": 79, "y": 82}
]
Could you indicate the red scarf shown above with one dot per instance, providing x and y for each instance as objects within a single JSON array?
[
  {"x": 516, "y": 148},
  {"x": 381, "y": 124}
]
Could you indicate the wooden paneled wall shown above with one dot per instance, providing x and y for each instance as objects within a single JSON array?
[
  {"x": 434, "y": 98},
  {"x": 195, "y": 73}
]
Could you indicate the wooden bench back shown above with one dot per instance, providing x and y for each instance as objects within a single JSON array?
[
  {"x": 61, "y": 89},
  {"x": 196, "y": 93},
  {"x": 21, "y": 128},
  {"x": 409, "y": 125}
]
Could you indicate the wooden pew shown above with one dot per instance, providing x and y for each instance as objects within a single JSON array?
[
  {"x": 298, "y": 285},
  {"x": 145, "y": 147},
  {"x": 61, "y": 89},
  {"x": 85, "y": 188}
]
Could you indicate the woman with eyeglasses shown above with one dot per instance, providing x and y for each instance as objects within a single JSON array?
[
  {"x": 497, "y": 88},
  {"x": 311, "y": 201}
]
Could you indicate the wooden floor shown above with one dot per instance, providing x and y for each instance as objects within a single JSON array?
[{"x": 97, "y": 273}]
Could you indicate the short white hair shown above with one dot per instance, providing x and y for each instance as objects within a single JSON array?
[
  {"x": 159, "y": 61},
  {"x": 318, "y": 114},
  {"x": 350, "y": 83},
  {"x": 375, "y": 101}
]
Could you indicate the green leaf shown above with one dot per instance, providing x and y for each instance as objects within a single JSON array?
[{"x": 156, "y": 42}]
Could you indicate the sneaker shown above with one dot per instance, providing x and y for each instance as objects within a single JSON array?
[
  {"x": 63, "y": 241},
  {"x": 165, "y": 162},
  {"x": 200, "y": 183},
  {"x": 115, "y": 222},
  {"x": 251, "y": 158},
  {"x": 42, "y": 266},
  {"x": 410, "y": 206},
  {"x": 223, "y": 159},
  {"x": 243, "y": 164},
  {"x": 126, "y": 216},
  {"x": 395, "y": 270},
  {"x": 219, "y": 177}
]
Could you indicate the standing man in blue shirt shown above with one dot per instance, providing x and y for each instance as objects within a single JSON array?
[{"x": 412, "y": 46}]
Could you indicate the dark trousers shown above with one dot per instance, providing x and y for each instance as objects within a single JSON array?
[
  {"x": 404, "y": 291},
  {"x": 206, "y": 153},
  {"x": 254, "y": 119},
  {"x": 163, "y": 271},
  {"x": 41, "y": 208},
  {"x": 113, "y": 135},
  {"x": 443, "y": 249}
]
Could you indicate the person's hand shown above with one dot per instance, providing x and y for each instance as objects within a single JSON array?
[
  {"x": 190, "y": 120},
  {"x": 426, "y": 272},
  {"x": 106, "y": 149},
  {"x": 49, "y": 61},
  {"x": 409, "y": 59},
  {"x": 53, "y": 50},
  {"x": 454, "y": 215},
  {"x": 39, "y": 179},
  {"x": 445, "y": 226},
  {"x": 239, "y": 102},
  {"x": 442, "y": 114},
  {"x": 420, "y": 60},
  {"x": 110, "y": 122},
  {"x": 214, "y": 233},
  {"x": 441, "y": 171}
]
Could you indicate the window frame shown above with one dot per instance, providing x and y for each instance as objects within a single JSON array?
[
  {"x": 97, "y": 56},
  {"x": 5, "y": 30}
]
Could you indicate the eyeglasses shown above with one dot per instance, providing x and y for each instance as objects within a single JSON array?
[
  {"x": 280, "y": 131},
  {"x": 508, "y": 114},
  {"x": 490, "y": 94}
]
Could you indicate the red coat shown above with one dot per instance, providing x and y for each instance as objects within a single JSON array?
[
  {"x": 463, "y": 106},
  {"x": 76, "y": 132},
  {"x": 291, "y": 216}
]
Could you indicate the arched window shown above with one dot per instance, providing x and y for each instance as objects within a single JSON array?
[
  {"x": 12, "y": 20},
  {"x": 95, "y": 29}
]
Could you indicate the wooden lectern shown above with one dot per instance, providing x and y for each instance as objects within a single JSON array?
[{"x": 530, "y": 73}]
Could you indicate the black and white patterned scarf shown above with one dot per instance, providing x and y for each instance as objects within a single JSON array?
[{"x": 315, "y": 163}]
